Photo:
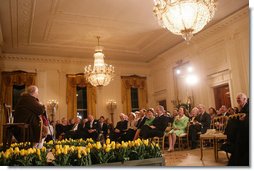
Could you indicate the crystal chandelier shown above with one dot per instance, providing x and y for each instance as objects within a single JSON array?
[
  {"x": 184, "y": 17},
  {"x": 101, "y": 73}
]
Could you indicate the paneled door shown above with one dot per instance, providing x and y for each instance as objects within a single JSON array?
[{"x": 222, "y": 96}]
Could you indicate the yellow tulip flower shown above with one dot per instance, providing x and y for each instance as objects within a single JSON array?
[
  {"x": 88, "y": 150},
  {"x": 22, "y": 152},
  {"x": 38, "y": 152},
  {"x": 107, "y": 149},
  {"x": 108, "y": 141},
  {"x": 43, "y": 149},
  {"x": 65, "y": 151},
  {"x": 98, "y": 145}
]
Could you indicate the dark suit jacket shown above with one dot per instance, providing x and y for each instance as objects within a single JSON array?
[
  {"x": 103, "y": 128},
  {"x": 205, "y": 120},
  {"x": 122, "y": 125},
  {"x": 95, "y": 125},
  {"x": 141, "y": 123},
  {"x": 240, "y": 155},
  {"x": 27, "y": 110},
  {"x": 161, "y": 123}
]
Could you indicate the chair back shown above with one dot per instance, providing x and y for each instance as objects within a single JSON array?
[
  {"x": 236, "y": 116},
  {"x": 7, "y": 111},
  {"x": 219, "y": 123}
]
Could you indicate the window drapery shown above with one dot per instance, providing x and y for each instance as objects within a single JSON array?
[
  {"x": 74, "y": 80},
  {"x": 127, "y": 82}
]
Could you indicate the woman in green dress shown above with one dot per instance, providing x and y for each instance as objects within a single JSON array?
[
  {"x": 179, "y": 127},
  {"x": 149, "y": 121}
]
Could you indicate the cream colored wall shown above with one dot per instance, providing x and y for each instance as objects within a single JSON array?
[
  {"x": 219, "y": 55},
  {"x": 51, "y": 78}
]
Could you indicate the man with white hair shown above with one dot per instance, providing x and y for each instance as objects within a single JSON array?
[
  {"x": 201, "y": 124},
  {"x": 242, "y": 101},
  {"x": 120, "y": 127},
  {"x": 237, "y": 132},
  {"x": 28, "y": 110}
]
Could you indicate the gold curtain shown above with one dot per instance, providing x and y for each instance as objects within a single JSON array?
[
  {"x": 8, "y": 80},
  {"x": 136, "y": 82},
  {"x": 74, "y": 80}
]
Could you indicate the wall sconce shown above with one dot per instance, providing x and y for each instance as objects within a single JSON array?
[
  {"x": 52, "y": 106},
  {"x": 111, "y": 106}
]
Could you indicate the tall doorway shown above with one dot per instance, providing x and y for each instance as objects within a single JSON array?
[{"x": 222, "y": 96}]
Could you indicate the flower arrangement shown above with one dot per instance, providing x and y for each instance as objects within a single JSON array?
[
  {"x": 70, "y": 142},
  {"x": 24, "y": 157},
  {"x": 79, "y": 153},
  {"x": 71, "y": 156},
  {"x": 124, "y": 151}
]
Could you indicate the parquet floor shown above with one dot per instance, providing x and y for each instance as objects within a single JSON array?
[{"x": 192, "y": 158}]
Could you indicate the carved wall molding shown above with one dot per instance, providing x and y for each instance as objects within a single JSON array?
[
  {"x": 64, "y": 60},
  {"x": 223, "y": 24},
  {"x": 38, "y": 59}
]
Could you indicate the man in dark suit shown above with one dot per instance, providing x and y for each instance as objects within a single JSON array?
[
  {"x": 28, "y": 110},
  {"x": 142, "y": 118},
  {"x": 92, "y": 127},
  {"x": 103, "y": 127},
  {"x": 121, "y": 126},
  {"x": 141, "y": 121},
  {"x": 158, "y": 126},
  {"x": 203, "y": 122},
  {"x": 237, "y": 132},
  {"x": 81, "y": 132}
]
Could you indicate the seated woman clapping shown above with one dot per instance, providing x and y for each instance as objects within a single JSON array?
[{"x": 179, "y": 126}]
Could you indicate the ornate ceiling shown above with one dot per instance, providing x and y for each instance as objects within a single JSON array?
[{"x": 128, "y": 29}]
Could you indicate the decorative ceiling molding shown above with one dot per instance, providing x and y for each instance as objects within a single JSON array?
[
  {"x": 24, "y": 20},
  {"x": 63, "y": 60}
]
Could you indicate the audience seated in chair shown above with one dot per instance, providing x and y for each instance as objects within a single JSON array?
[
  {"x": 119, "y": 129},
  {"x": 129, "y": 133},
  {"x": 141, "y": 121},
  {"x": 237, "y": 132},
  {"x": 73, "y": 133},
  {"x": 110, "y": 126},
  {"x": 103, "y": 127},
  {"x": 158, "y": 126},
  {"x": 61, "y": 128},
  {"x": 92, "y": 128},
  {"x": 223, "y": 111},
  {"x": 81, "y": 131},
  {"x": 212, "y": 112},
  {"x": 178, "y": 127},
  {"x": 148, "y": 121},
  {"x": 201, "y": 124}
]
